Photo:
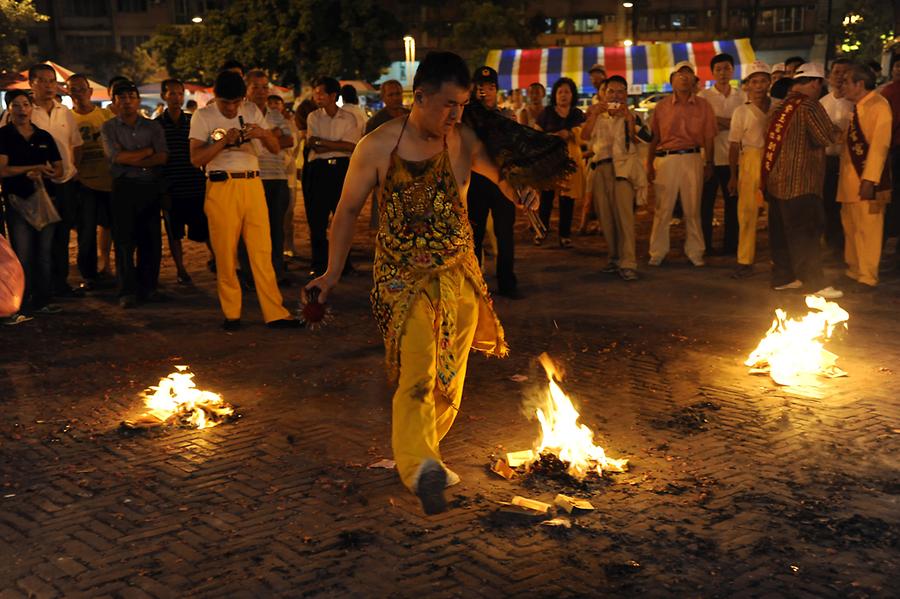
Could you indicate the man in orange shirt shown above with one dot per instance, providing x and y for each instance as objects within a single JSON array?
[{"x": 684, "y": 127}]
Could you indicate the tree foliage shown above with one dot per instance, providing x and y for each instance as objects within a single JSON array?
[
  {"x": 292, "y": 39},
  {"x": 867, "y": 30},
  {"x": 490, "y": 24},
  {"x": 15, "y": 16}
]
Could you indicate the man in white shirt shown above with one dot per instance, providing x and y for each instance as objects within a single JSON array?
[
  {"x": 724, "y": 99},
  {"x": 332, "y": 136},
  {"x": 618, "y": 176},
  {"x": 226, "y": 137},
  {"x": 58, "y": 121},
  {"x": 839, "y": 110},
  {"x": 746, "y": 137},
  {"x": 272, "y": 167}
]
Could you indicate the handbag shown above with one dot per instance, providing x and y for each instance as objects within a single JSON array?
[{"x": 37, "y": 209}]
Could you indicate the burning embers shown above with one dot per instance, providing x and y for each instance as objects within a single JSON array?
[
  {"x": 177, "y": 400},
  {"x": 562, "y": 436},
  {"x": 793, "y": 352}
]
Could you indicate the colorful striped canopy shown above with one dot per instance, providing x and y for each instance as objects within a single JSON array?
[{"x": 647, "y": 65}]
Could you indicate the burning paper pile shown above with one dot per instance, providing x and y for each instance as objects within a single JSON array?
[
  {"x": 562, "y": 436},
  {"x": 793, "y": 352},
  {"x": 177, "y": 400}
]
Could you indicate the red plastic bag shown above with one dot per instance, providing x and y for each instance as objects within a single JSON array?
[{"x": 12, "y": 280}]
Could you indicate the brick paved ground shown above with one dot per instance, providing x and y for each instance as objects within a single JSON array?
[{"x": 738, "y": 487}]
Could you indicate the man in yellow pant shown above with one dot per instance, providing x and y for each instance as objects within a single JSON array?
[
  {"x": 864, "y": 187},
  {"x": 746, "y": 139},
  {"x": 430, "y": 299},
  {"x": 225, "y": 138}
]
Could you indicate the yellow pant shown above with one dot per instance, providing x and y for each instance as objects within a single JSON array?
[
  {"x": 236, "y": 208},
  {"x": 863, "y": 228},
  {"x": 422, "y": 414},
  {"x": 749, "y": 168}
]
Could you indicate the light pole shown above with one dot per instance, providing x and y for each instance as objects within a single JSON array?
[
  {"x": 409, "y": 44},
  {"x": 632, "y": 4}
]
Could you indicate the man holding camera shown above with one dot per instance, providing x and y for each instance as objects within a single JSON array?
[
  {"x": 226, "y": 138},
  {"x": 618, "y": 176}
]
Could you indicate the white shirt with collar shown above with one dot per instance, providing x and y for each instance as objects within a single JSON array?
[
  {"x": 839, "y": 110},
  {"x": 60, "y": 123},
  {"x": 343, "y": 126},
  {"x": 723, "y": 106}
]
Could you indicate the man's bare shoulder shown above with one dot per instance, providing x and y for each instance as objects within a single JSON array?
[{"x": 385, "y": 137}]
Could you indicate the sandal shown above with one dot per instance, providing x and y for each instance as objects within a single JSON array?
[
  {"x": 565, "y": 242},
  {"x": 17, "y": 318}
]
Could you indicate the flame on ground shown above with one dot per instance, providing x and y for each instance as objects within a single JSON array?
[
  {"x": 793, "y": 351},
  {"x": 564, "y": 436},
  {"x": 177, "y": 397}
]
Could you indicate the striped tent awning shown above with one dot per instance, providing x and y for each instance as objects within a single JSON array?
[{"x": 646, "y": 65}]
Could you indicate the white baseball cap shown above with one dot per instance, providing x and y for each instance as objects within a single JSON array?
[
  {"x": 684, "y": 63},
  {"x": 757, "y": 67},
  {"x": 778, "y": 66},
  {"x": 810, "y": 69}
]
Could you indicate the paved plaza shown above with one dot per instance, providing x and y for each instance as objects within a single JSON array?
[{"x": 738, "y": 487}]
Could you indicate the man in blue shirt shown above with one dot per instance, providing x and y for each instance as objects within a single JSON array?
[{"x": 136, "y": 148}]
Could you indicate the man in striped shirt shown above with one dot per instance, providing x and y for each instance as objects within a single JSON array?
[
  {"x": 794, "y": 155},
  {"x": 185, "y": 183}
]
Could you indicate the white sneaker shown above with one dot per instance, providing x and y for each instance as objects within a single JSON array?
[
  {"x": 795, "y": 284},
  {"x": 655, "y": 261},
  {"x": 830, "y": 293},
  {"x": 452, "y": 477},
  {"x": 698, "y": 263}
]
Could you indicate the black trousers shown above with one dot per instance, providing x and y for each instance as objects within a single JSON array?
[
  {"x": 834, "y": 229},
  {"x": 136, "y": 230},
  {"x": 566, "y": 210},
  {"x": 65, "y": 202},
  {"x": 892, "y": 211},
  {"x": 321, "y": 192},
  {"x": 486, "y": 198},
  {"x": 92, "y": 209},
  {"x": 719, "y": 180},
  {"x": 795, "y": 227}
]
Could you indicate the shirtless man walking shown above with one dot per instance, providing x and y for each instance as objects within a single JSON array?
[{"x": 430, "y": 299}]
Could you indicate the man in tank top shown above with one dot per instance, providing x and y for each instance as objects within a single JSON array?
[{"x": 429, "y": 299}]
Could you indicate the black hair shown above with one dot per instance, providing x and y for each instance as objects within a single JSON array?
[
  {"x": 232, "y": 64},
  {"x": 723, "y": 57},
  {"x": 615, "y": 79},
  {"x": 839, "y": 60},
  {"x": 123, "y": 87},
  {"x": 794, "y": 59},
  {"x": 255, "y": 74},
  {"x": 862, "y": 72},
  {"x": 874, "y": 65},
  {"x": 781, "y": 88},
  {"x": 274, "y": 97},
  {"x": 167, "y": 83},
  {"x": 229, "y": 86},
  {"x": 190, "y": 104},
  {"x": 439, "y": 68},
  {"x": 538, "y": 84},
  {"x": 349, "y": 95},
  {"x": 391, "y": 82},
  {"x": 74, "y": 76},
  {"x": 15, "y": 93},
  {"x": 332, "y": 85},
  {"x": 559, "y": 83},
  {"x": 35, "y": 68},
  {"x": 113, "y": 81}
]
